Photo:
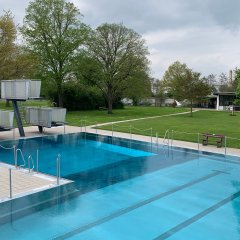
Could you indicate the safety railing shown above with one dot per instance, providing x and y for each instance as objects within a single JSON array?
[
  {"x": 31, "y": 166},
  {"x": 85, "y": 123},
  {"x": 131, "y": 129}
]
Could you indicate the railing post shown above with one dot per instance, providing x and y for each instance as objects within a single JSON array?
[
  {"x": 225, "y": 145},
  {"x": 172, "y": 138},
  {"x": 29, "y": 157},
  {"x": 64, "y": 128},
  {"x": 198, "y": 142},
  {"x": 10, "y": 182},
  {"x": 112, "y": 129},
  {"x": 58, "y": 168},
  {"x": 157, "y": 139},
  {"x": 151, "y": 135},
  {"x": 81, "y": 125},
  {"x": 37, "y": 162},
  {"x": 130, "y": 131},
  {"x": 14, "y": 155},
  {"x": 96, "y": 127},
  {"x": 168, "y": 137}
]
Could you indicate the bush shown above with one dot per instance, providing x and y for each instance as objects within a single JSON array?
[{"x": 79, "y": 97}]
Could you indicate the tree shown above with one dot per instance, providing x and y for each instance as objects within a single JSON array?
[
  {"x": 185, "y": 84},
  {"x": 53, "y": 32},
  {"x": 138, "y": 87},
  {"x": 8, "y": 33},
  {"x": 118, "y": 55},
  {"x": 237, "y": 81}
]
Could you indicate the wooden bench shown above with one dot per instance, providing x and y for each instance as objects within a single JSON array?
[{"x": 218, "y": 137}]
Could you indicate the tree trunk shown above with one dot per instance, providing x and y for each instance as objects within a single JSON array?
[
  {"x": 110, "y": 100},
  {"x": 110, "y": 106},
  {"x": 60, "y": 97}
]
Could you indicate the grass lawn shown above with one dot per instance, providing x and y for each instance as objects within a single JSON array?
[
  {"x": 202, "y": 121},
  {"x": 31, "y": 103},
  {"x": 77, "y": 118}
]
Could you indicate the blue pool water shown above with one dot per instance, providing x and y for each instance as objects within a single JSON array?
[{"x": 126, "y": 190}]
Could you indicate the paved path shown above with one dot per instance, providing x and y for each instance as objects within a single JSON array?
[{"x": 137, "y": 119}]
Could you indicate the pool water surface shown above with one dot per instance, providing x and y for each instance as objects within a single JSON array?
[{"x": 126, "y": 190}]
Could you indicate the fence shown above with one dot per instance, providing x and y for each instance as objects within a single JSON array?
[{"x": 194, "y": 139}]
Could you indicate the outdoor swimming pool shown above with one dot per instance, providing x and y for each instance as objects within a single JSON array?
[{"x": 125, "y": 190}]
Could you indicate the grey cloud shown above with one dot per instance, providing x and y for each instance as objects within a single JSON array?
[{"x": 203, "y": 33}]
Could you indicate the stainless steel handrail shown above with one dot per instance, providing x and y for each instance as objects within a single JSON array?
[
  {"x": 165, "y": 137},
  {"x": 30, "y": 159},
  {"x": 16, "y": 158}
]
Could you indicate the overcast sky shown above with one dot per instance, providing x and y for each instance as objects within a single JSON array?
[{"x": 204, "y": 34}]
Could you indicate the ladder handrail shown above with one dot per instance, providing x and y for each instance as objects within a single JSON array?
[
  {"x": 30, "y": 158},
  {"x": 16, "y": 160},
  {"x": 165, "y": 135}
]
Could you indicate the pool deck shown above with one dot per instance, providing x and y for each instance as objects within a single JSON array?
[{"x": 24, "y": 183}]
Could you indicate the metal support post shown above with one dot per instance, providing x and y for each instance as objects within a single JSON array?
[
  {"x": 18, "y": 118},
  {"x": 198, "y": 142},
  {"x": 14, "y": 155},
  {"x": 29, "y": 158},
  {"x": 225, "y": 145},
  {"x": 112, "y": 129},
  {"x": 172, "y": 138},
  {"x": 58, "y": 168},
  {"x": 157, "y": 139},
  {"x": 151, "y": 135},
  {"x": 130, "y": 131}
]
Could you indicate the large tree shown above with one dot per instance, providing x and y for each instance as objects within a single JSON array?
[
  {"x": 118, "y": 56},
  {"x": 185, "y": 84},
  {"x": 54, "y": 32},
  {"x": 8, "y": 33}
]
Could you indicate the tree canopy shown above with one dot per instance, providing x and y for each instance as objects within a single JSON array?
[
  {"x": 53, "y": 31},
  {"x": 118, "y": 56},
  {"x": 185, "y": 83},
  {"x": 8, "y": 33}
]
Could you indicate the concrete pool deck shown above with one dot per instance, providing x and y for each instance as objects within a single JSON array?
[{"x": 24, "y": 183}]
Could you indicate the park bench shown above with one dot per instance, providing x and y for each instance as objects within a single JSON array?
[{"x": 218, "y": 138}]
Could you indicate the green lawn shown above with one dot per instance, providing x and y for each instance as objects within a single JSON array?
[
  {"x": 25, "y": 103},
  {"x": 202, "y": 121},
  {"x": 77, "y": 118}
]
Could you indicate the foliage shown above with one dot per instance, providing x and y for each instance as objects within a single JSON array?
[
  {"x": 226, "y": 84},
  {"x": 139, "y": 87},
  {"x": 8, "y": 33},
  {"x": 53, "y": 32},
  {"x": 185, "y": 84},
  {"x": 79, "y": 97},
  {"x": 237, "y": 80},
  {"x": 118, "y": 56},
  {"x": 159, "y": 91}
]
